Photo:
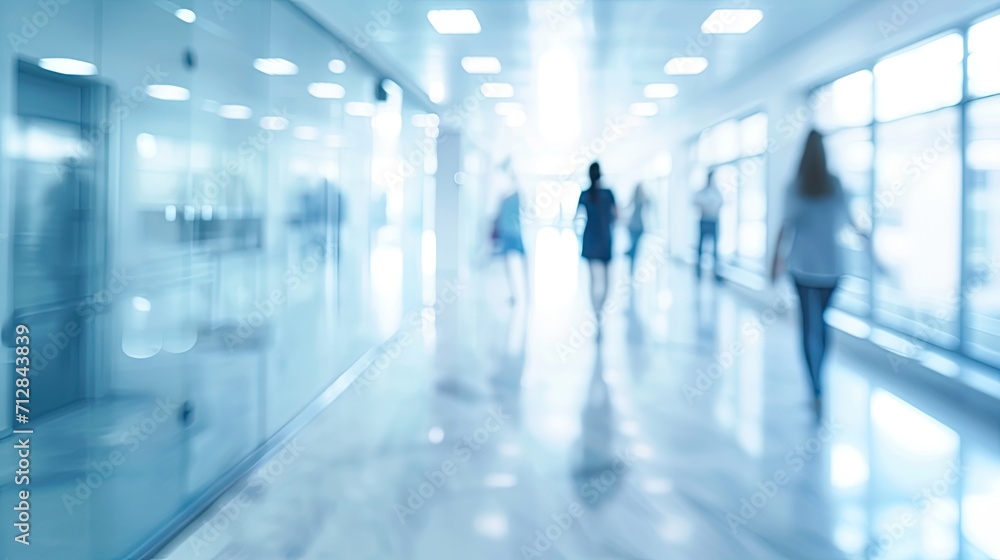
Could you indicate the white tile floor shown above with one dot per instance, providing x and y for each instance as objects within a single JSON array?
[{"x": 682, "y": 432}]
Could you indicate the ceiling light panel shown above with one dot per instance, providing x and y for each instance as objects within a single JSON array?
[
  {"x": 481, "y": 65},
  {"x": 723, "y": 22},
  {"x": 454, "y": 22}
]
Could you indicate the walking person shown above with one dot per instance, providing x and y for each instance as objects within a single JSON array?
[
  {"x": 507, "y": 232},
  {"x": 709, "y": 201},
  {"x": 816, "y": 211},
  {"x": 636, "y": 225},
  {"x": 599, "y": 204}
]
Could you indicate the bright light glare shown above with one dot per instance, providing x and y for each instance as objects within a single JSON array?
[
  {"x": 145, "y": 144},
  {"x": 235, "y": 112},
  {"x": 337, "y": 66},
  {"x": 436, "y": 92},
  {"x": 168, "y": 93},
  {"x": 359, "y": 109},
  {"x": 661, "y": 91},
  {"x": 273, "y": 123},
  {"x": 481, "y": 64},
  {"x": 686, "y": 65},
  {"x": 186, "y": 15},
  {"x": 454, "y": 22},
  {"x": 850, "y": 469},
  {"x": 558, "y": 82},
  {"x": 68, "y": 66},
  {"x": 276, "y": 66},
  {"x": 141, "y": 304},
  {"x": 334, "y": 141},
  {"x": 644, "y": 109},
  {"x": 388, "y": 124},
  {"x": 731, "y": 21},
  {"x": 325, "y": 90},
  {"x": 505, "y": 108},
  {"x": 516, "y": 119},
  {"x": 306, "y": 132},
  {"x": 497, "y": 90}
]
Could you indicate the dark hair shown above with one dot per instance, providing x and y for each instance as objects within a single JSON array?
[
  {"x": 595, "y": 178},
  {"x": 814, "y": 177}
]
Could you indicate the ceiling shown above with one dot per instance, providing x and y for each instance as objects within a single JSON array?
[{"x": 616, "y": 46}]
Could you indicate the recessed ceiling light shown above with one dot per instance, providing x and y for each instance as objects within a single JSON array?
[
  {"x": 516, "y": 119},
  {"x": 167, "y": 92},
  {"x": 644, "y": 109},
  {"x": 454, "y": 22},
  {"x": 732, "y": 21},
  {"x": 334, "y": 141},
  {"x": 271, "y": 122},
  {"x": 505, "y": 108},
  {"x": 660, "y": 91},
  {"x": 236, "y": 112},
  {"x": 186, "y": 15},
  {"x": 337, "y": 66},
  {"x": 497, "y": 90},
  {"x": 436, "y": 92},
  {"x": 306, "y": 133},
  {"x": 325, "y": 90},
  {"x": 68, "y": 66},
  {"x": 481, "y": 64},
  {"x": 359, "y": 109},
  {"x": 686, "y": 65},
  {"x": 276, "y": 66},
  {"x": 422, "y": 120}
]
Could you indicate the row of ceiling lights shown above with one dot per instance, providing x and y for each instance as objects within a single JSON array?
[{"x": 465, "y": 21}]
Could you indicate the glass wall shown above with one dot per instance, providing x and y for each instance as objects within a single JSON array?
[
  {"x": 915, "y": 141},
  {"x": 200, "y": 192},
  {"x": 735, "y": 150}
]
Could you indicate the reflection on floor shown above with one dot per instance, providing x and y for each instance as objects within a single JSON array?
[{"x": 680, "y": 430}]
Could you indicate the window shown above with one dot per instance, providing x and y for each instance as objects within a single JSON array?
[
  {"x": 984, "y": 57},
  {"x": 921, "y": 79},
  {"x": 850, "y": 154},
  {"x": 735, "y": 150},
  {"x": 918, "y": 227},
  {"x": 845, "y": 103},
  {"x": 982, "y": 275}
]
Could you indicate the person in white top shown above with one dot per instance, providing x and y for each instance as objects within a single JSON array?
[
  {"x": 709, "y": 201},
  {"x": 816, "y": 211}
]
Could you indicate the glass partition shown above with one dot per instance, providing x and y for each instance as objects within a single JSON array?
[{"x": 220, "y": 197}]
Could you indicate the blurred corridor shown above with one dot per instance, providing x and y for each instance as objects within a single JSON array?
[{"x": 295, "y": 279}]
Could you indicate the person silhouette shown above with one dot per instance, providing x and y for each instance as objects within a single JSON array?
[
  {"x": 709, "y": 201},
  {"x": 508, "y": 235},
  {"x": 636, "y": 224},
  {"x": 816, "y": 211},
  {"x": 601, "y": 211}
]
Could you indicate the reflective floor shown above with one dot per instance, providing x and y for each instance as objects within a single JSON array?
[{"x": 678, "y": 429}]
